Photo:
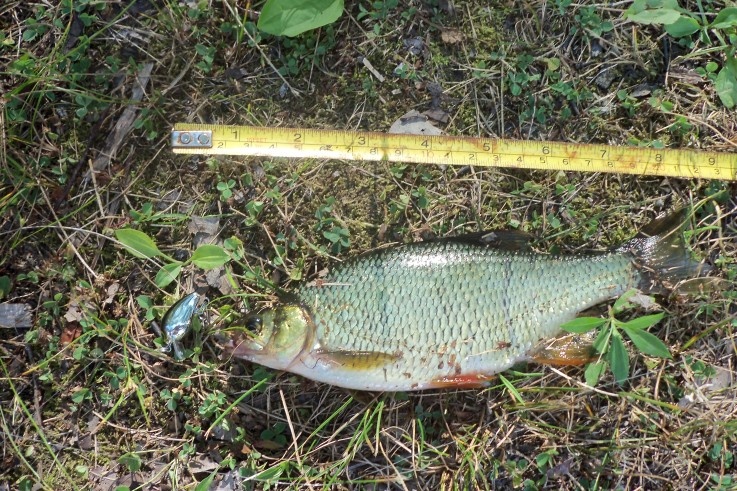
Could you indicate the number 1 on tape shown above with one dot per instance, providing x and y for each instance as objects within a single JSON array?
[{"x": 450, "y": 150}]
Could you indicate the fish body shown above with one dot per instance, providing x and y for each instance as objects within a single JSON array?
[{"x": 451, "y": 312}]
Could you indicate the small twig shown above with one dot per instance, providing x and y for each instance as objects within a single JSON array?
[
  {"x": 98, "y": 199},
  {"x": 702, "y": 122},
  {"x": 63, "y": 232},
  {"x": 294, "y": 436},
  {"x": 582, "y": 385},
  {"x": 3, "y": 137},
  {"x": 178, "y": 78},
  {"x": 365, "y": 62},
  {"x": 294, "y": 91},
  {"x": 94, "y": 132},
  {"x": 125, "y": 122}
]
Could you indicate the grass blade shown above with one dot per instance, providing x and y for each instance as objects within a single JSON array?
[{"x": 512, "y": 389}]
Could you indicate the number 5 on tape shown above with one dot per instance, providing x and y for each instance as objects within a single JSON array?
[{"x": 450, "y": 150}]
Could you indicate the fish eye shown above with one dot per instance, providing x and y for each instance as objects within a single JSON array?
[{"x": 254, "y": 323}]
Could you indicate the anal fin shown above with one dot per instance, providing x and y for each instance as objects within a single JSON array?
[{"x": 465, "y": 381}]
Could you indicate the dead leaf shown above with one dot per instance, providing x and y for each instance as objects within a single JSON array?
[
  {"x": 451, "y": 36},
  {"x": 217, "y": 278},
  {"x": 73, "y": 313},
  {"x": 103, "y": 478},
  {"x": 414, "y": 45},
  {"x": 703, "y": 389},
  {"x": 437, "y": 115},
  {"x": 168, "y": 199},
  {"x": 204, "y": 225},
  {"x": 202, "y": 464},
  {"x": 227, "y": 482},
  {"x": 644, "y": 301},
  {"x": 267, "y": 445},
  {"x": 70, "y": 332},
  {"x": 124, "y": 125},
  {"x": 414, "y": 123},
  {"x": 112, "y": 290}
]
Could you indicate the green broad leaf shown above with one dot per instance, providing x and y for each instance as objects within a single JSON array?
[
  {"x": 601, "y": 343},
  {"x": 663, "y": 4},
  {"x": 725, "y": 18},
  {"x": 726, "y": 86},
  {"x": 647, "y": 343},
  {"x": 270, "y": 474},
  {"x": 593, "y": 372},
  {"x": 145, "y": 301},
  {"x": 205, "y": 484},
  {"x": 130, "y": 460},
  {"x": 167, "y": 274},
  {"x": 637, "y": 6},
  {"x": 641, "y": 322},
  {"x": 209, "y": 256},
  {"x": 619, "y": 358},
  {"x": 290, "y": 18},
  {"x": 581, "y": 325},
  {"x": 137, "y": 243},
  {"x": 654, "y": 16},
  {"x": 79, "y": 396},
  {"x": 82, "y": 471},
  {"x": 5, "y": 285},
  {"x": 684, "y": 26}
]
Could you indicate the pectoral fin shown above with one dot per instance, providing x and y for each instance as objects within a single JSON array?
[
  {"x": 566, "y": 350},
  {"x": 358, "y": 360}
]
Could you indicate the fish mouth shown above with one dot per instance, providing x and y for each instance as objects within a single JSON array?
[
  {"x": 241, "y": 344},
  {"x": 245, "y": 345}
]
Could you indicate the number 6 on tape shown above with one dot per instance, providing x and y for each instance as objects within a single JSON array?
[{"x": 450, "y": 150}]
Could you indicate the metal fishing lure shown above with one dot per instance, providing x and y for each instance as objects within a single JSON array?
[{"x": 177, "y": 322}]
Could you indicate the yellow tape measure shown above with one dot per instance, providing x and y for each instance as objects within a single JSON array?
[{"x": 450, "y": 150}]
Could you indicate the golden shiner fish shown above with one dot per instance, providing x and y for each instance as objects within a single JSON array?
[{"x": 450, "y": 312}]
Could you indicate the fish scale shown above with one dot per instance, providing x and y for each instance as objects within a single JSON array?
[{"x": 452, "y": 312}]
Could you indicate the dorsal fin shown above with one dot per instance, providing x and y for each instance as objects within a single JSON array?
[{"x": 507, "y": 240}]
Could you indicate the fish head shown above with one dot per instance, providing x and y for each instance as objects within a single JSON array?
[{"x": 275, "y": 337}]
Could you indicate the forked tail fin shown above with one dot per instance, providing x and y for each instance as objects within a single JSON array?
[{"x": 661, "y": 255}]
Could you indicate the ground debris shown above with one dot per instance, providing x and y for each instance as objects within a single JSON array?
[
  {"x": 206, "y": 226},
  {"x": 227, "y": 482},
  {"x": 414, "y": 123},
  {"x": 125, "y": 122},
  {"x": 15, "y": 315},
  {"x": 707, "y": 389}
]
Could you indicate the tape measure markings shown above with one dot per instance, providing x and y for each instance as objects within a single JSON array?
[{"x": 449, "y": 150}]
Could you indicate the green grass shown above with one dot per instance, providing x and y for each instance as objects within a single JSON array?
[{"x": 89, "y": 398}]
